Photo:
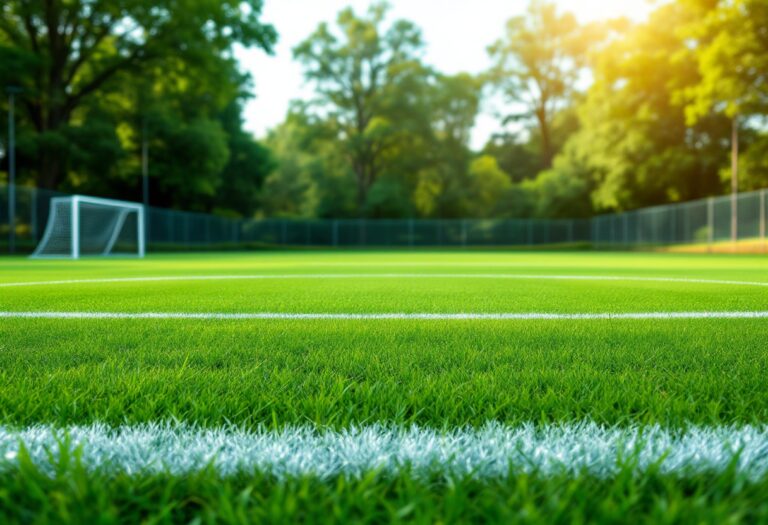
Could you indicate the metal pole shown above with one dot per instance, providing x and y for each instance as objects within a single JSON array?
[
  {"x": 75, "y": 225},
  {"x": 710, "y": 223},
  {"x": 734, "y": 179},
  {"x": 672, "y": 225},
  {"x": 11, "y": 172},
  {"x": 145, "y": 181},
  {"x": 763, "y": 194},
  {"x": 142, "y": 223},
  {"x": 144, "y": 165}
]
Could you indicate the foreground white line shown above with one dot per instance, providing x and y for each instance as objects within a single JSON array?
[
  {"x": 386, "y": 316},
  {"x": 322, "y": 276},
  {"x": 491, "y": 451}
]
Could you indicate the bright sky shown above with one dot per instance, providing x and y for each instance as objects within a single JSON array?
[{"x": 456, "y": 33}]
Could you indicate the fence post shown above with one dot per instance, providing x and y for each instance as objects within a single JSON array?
[
  {"x": 624, "y": 229},
  {"x": 672, "y": 225},
  {"x": 187, "y": 239},
  {"x": 529, "y": 231},
  {"x": 75, "y": 225},
  {"x": 335, "y": 232},
  {"x": 33, "y": 214},
  {"x": 710, "y": 223}
]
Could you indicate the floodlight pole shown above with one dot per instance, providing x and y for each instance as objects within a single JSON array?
[
  {"x": 144, "y": 217},
  {"x": 12, "y": 91},
  {"x": 734, "y": 179},
  {"x": 144, "y": 164}
]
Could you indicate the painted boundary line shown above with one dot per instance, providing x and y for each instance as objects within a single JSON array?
[
  {"x": 319, "y": 276},
  {"x": 491, "y": 451},
  {"x": 223, "y": 316}
]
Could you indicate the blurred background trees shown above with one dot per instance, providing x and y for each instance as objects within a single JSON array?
[
  {"x": 98, "y": 74},
  {"x": 595, "y": 118}
]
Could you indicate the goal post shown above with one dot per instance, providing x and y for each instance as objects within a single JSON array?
[{"x": 88, "y": 226}]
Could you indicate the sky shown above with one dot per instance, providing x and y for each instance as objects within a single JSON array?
[{"x": 456, "y": 33}]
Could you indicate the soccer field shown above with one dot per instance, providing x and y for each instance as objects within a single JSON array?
[{"x": 385, "y": 386}]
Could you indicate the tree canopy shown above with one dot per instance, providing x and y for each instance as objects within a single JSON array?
[
  {"x": 595, "y": 117},
  {"x": 95, "y": 74}
]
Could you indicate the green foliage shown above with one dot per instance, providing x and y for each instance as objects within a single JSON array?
[
  {"x": 599, "y": 117},
  {"x": 311, "y": 178},
  {"x": 73, "y": 495},
  {"x": 536, "y": 66},
  {"x": 367, "y": 77},
  {"x": 634, "y": 143},
  {"x": 133, "y": 65},
  {"x": 560, "y": 193},
  {"x": 729, "y": 33},
  {"x": 486, "y": 182}
]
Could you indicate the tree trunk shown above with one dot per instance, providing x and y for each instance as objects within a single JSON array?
[{"x": 546, "y": 139}]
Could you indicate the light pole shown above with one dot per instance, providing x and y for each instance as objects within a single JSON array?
[
  {"x": 734, "y": 179},
  {"x": 12, "y": 92},
  {"x": 144, "y": 164}
]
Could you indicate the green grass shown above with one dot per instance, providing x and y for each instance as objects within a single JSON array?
[
  {"x": 75, "y": 496},
  {"x": 439, "y": 374}
]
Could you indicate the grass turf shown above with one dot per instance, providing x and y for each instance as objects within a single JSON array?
[{"x": 435, "y": 373}]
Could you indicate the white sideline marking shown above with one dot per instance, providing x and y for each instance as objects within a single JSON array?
[
  {"x": 386, "y": 316},
  {"x": 491, "y": 451},
  {"x": 388, "y": 276}
]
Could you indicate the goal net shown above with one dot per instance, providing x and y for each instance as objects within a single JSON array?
[{"x": 80, "y": 225}]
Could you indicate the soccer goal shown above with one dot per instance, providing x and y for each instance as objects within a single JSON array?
[{"x": 79, "y": 226}]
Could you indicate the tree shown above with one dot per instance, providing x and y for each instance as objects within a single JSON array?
[
  {"x": 249, "y": 164},
  {"x": 440, "y": 155},
  {"x": 559, "y": 193},
  {"x": 536, "y": 66},
  {"x": 634, "y": 143},
  {"x": 65, "y": 52},
  {"x": 311, "y": 177},
  {"x": 487, "y": 185},
  {"x": 732, "y": 50},
  {"x": 731, "y": 47},
  {"x": 366, "y": 77}
]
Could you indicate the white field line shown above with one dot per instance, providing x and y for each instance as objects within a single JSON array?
[
  {"x": 322, "y": 276},
  {"x": 491, "y": 451},
  {"x": 223, "y": 316}
]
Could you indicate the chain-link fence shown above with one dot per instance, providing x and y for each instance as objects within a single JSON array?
[{"x": 705, "y": 222}]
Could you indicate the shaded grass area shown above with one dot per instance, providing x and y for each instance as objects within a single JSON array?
[
  {"x": 74, "y": 495},
  {"x": 337, "y": 373}
]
